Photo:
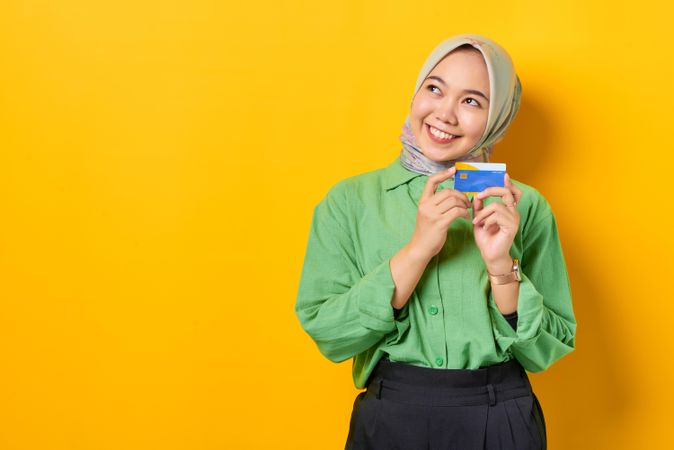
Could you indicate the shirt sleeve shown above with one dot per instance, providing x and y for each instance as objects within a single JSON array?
[
  {"x": 344, "y": 310},
  {"x": 546, "y": 326}
]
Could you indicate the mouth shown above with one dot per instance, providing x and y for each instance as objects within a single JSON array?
[{"x": 438, "y": 136}]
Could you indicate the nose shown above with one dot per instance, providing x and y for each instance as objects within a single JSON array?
[{"x": 446, "y": 113}]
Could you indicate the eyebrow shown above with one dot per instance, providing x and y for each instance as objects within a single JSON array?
[{"x": 469, "y": 91}]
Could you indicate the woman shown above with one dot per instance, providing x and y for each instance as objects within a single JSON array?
[{"x": 442, "y": 311}]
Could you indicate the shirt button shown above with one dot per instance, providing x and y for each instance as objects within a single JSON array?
[
  {"x": 439, "y": 361},
  {"x": 432, "y": 310}
]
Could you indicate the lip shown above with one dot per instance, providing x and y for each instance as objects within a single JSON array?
[{"x": 436, "y": 139}]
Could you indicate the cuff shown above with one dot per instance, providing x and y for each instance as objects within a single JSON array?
[
  {"x": 374, "y": 298},
  {"x": 530, "y": 309}
]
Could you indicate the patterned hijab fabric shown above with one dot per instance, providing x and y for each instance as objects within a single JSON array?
[{"x": 505, "y": 89}]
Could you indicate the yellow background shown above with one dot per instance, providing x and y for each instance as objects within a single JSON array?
[{"x": 160, "y": 161}]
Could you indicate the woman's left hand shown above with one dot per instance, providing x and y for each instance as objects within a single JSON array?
[{"x": 496, "y": 225}]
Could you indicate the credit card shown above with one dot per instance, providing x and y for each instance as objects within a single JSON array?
[{"x": 471, "y": 178}]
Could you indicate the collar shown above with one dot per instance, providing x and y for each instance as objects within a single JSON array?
[{"x": 396, "y": 174}]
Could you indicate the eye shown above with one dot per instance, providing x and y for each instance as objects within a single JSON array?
[
  {"x": 476, "y": 102},
  {"x": 430, "y": 87}
]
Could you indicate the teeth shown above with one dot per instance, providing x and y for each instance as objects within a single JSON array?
[{"x": 440, "y": 134}]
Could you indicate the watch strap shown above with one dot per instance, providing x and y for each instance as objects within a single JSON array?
[{"x": 509, "y": 277}]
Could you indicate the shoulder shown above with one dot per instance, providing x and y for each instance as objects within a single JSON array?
[
  {"x": 356, "y": 189},
  {"x": 346, "y": 199}
]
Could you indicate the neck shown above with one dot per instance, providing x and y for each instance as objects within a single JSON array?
[{"x": 413, "y": 159}]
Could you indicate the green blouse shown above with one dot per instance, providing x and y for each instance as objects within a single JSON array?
[{"x": 451, "y": 319}]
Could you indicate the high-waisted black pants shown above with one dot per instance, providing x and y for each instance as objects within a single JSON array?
[{"x": 408, "y": 407}]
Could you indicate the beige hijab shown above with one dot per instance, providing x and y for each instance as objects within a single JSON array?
[{"x": 505, "y": 92}]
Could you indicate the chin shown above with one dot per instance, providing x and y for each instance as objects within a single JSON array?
[{"x": 443, "y": 155}]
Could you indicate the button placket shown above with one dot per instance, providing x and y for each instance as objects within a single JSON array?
[
  {"x": 431, "y": 290},
  {"x": 442, "y": 342}
]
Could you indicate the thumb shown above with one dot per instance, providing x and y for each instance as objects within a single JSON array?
[{"x": 478, "y": 205}]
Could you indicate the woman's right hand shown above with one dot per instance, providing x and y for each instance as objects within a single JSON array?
[{"x": 436, "y": 212}]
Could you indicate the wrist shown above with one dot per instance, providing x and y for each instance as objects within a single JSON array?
[
  {"x": 416, "y": 256},
  {"x": 500, "y": 265}
]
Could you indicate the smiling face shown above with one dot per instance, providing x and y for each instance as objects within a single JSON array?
[{"x": 453, "y": 99}]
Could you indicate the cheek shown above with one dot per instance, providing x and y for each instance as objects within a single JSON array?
[
  {"x": 474, "y": 123},
  {"x": 421, "y": 108}
]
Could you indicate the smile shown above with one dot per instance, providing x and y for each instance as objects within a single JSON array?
[{"x": 440, "y": 136}]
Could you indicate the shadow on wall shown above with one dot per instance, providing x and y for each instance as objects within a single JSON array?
[{"x": 586, "y": 394}]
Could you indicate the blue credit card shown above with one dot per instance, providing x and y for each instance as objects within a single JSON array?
[{"x": 471, "y": 178}]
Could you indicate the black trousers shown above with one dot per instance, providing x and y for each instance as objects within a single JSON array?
[{"x": 417, "y": 408}]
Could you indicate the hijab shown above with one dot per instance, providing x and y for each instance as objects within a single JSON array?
[{"x": 505, "y": 91}]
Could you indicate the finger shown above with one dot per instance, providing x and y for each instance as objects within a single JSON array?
[
  {"x": 507, "y": 181},
  {"x": 487, "y": 210},
  {"x": 496, "y": 219},
  {"x": 451, "y": 202},
  {"x": 509, "y": 210},
  {"x": 496, "y": 191},
  {"x": 481, "y": 221},
  {"x": 517, "y": 192},
  {"x": 455, "y": 212},
  {"x": 491, "y": 228},
  {"x": 478, "y": 205},
  {"x": 500, "y": 208},
  {"x": 487, "y": 221},
  {"x": 500, "y": 220},
  {"x": 446, "y": 193},
  {"x": 434, "y": 180}
]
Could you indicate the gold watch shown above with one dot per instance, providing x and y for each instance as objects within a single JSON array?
[{"x": 509, "y": 277}]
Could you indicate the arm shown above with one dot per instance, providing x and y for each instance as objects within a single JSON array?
[
  {"x": 407, "y": 266},
  {"x": 505, "y": 294},
  {"x": 344, "y": 310},
  {"x": 546, "y": 326}
]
